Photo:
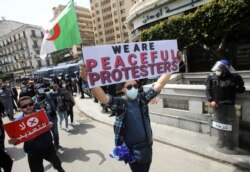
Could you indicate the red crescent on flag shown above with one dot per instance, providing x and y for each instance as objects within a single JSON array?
[{"x": 56, "y": 34}]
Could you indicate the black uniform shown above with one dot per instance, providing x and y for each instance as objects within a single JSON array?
[{"x": 222, "y": 89}]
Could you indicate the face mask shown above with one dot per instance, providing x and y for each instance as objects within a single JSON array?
[
  {"x": 63, "y": 85},
  {"x": 132, "y": 93},
  {"x": 40, "y": 91},
  {"x": 218, "y": 73}
]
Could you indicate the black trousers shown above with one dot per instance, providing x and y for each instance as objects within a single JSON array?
[
  {"x": 71, "y": 114},
  {"x": 5, "y": 161},
  {"x": 36, "y": 160},
  {"x": 140, "y": 167}
]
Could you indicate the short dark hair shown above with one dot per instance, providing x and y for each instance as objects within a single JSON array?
[{"x": 24, "y": 98}]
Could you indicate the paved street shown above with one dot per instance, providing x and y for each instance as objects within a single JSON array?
[{"x": 87, "y": 147}]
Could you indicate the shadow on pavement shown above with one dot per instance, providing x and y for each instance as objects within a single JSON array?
[
  {"x": 72, "y": 154},
  {"x": 80, "y": 129},
  {"x": 15, "y": 153},
  {"x": 240, "y": 167}
]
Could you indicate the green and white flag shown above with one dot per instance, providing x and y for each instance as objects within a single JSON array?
[{"x": 61, "y": 33}]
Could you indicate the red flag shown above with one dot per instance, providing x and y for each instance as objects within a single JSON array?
[{"x": 27, "y": 128}]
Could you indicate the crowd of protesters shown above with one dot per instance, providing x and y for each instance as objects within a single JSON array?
[{"x": 55, "y": 96}]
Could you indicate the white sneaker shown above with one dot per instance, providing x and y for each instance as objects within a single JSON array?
[
  {"x": 69, "y": 128},
  {"x": 75, "y": 123}
]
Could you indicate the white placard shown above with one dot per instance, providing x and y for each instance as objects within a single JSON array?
[
  {"x": 225, "y": 127},
  {"x": 110, "y": 64}
]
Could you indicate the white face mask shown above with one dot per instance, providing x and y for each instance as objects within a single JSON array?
[
  {"x": 63, "y": 85},
  {"x": 132, "y": 93},
  {"x": 218, "y": 73}
]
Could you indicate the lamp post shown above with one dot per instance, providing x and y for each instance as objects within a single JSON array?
[
  {"x": 31, "y": 66},
  {"x": 23, "y": 64}
]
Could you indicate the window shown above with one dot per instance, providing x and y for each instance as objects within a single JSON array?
[
  {"x": 116, "y": 28},
  {"x": 123, "y": 11},
  {"x": 116, "y": 21},
  {"x": 114, "y": 5},
  {"x": 125, "y": 34},
  {"x": 122, "y": 2},
  {"x": 33, "y": 33},
  {"x": 124, "y": 18},
  {"x": 118, "y": 35},
  {"x": 97, "y": 4},
  {"x": 115, "y": 13}
]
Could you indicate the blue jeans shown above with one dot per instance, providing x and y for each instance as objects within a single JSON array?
[
  {"x": 55, "y": 133},
  {"x": 63, "y": 115}
]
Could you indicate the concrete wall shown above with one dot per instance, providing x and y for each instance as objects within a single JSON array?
[{"x": 185, "y": 106}]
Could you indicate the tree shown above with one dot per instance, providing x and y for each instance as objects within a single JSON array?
[{"x": 211, "y": 26}]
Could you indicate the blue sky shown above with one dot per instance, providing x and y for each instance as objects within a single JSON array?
[{"x": 37, "y": 12}]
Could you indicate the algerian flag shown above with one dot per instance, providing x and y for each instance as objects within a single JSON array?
[{"x": 61, "y": 33}]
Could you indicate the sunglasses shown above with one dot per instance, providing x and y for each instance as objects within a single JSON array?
[
  {"x": 25, "y": 106},
  {"x": 129, "y": 87}
]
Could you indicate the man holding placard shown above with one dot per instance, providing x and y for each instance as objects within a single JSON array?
[
  {"x": 38, "y": 147},
  {"x": 129, "y": 63}
]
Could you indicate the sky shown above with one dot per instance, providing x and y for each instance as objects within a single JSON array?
[{"x": 37, "y": 12}]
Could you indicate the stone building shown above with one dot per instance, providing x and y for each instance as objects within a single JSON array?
[
  {"x": 19, "y": 48},
  {"x": 109, "y": 20}
]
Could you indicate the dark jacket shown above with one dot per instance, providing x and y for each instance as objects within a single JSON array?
[
  {"x": 39, "y": 143},
  {"x": 223, "y": 89}
]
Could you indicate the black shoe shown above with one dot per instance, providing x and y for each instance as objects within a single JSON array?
[
  {"x": 60, "y": 169},
  {"x": 58, "y": 147},
  {"x": 11, "y": 118}
]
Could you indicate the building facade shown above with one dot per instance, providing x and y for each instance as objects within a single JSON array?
[
  {"x": 146, "y": 13},
  {"x": 19, "y": 48},
  {"x": 109, "y": 20}
]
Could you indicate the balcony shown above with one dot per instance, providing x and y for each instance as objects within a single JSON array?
[
  {"x": 35, "y": 47},
  {"x": 34, "y": 36}
]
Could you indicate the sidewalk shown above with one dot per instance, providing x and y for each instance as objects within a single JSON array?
[{"x": 197, "y": 143}]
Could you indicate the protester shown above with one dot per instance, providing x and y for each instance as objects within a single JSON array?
[
  {"x": 14, "y": 95},
  {"x": 221, "y": 89},
  {"x": 6, "y": 99},
  {"x": 182, "y": 66},
  {"x": 41, "y": 147},
  {"x": 5, "y": 161},
  {"x": 31, "y": 88},
  {"x": 2, "y": 135},
  {"x": 61, "y": 98},
  {"x": 44, "y": 101},
  {"x": 132, "y": 125},
  {"x": 24, "y": 91},
  {"x": 71, "y": 102}
]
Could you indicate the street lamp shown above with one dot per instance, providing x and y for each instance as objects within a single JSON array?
[
  {"x": 23, "y": 64},
  {"x": 31, "y": 66}
]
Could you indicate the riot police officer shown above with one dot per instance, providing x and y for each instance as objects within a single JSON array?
[{"x": 221, "y": 89}]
